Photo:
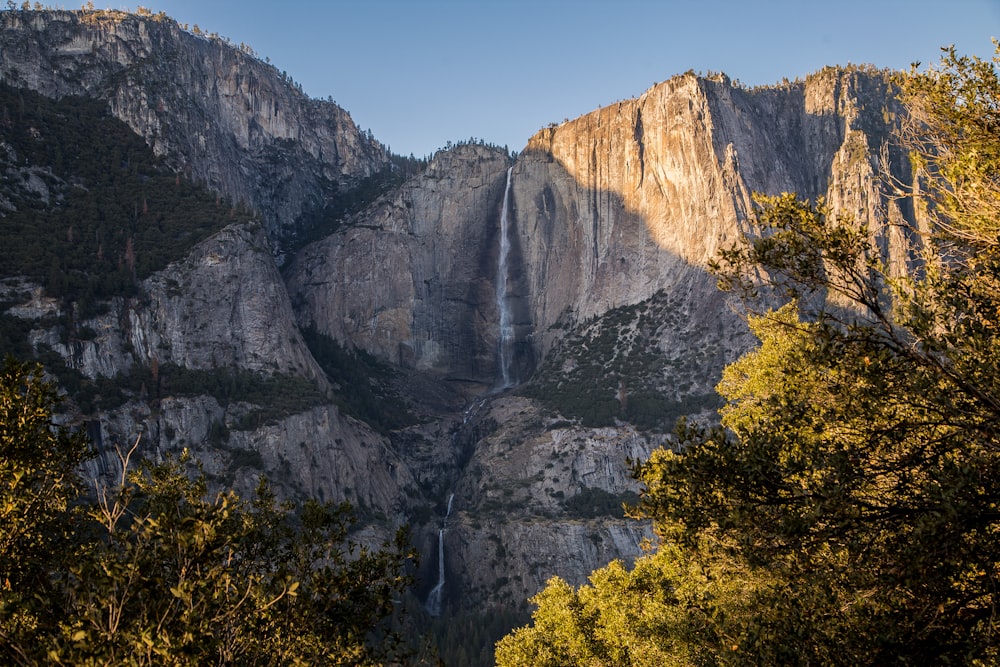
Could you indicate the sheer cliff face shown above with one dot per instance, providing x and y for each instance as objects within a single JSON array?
[
  {"x": 638, "y": 196},
  {"x": 411, "y": 279},
  {"x": 236, "y": 125},
  {"x": 606, "y": 210},
  {"x": 224, "y": 117},
  {"x": 222, "y": 306},
  {"x": 620, "y": 207}
]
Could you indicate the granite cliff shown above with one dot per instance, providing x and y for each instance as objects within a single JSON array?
[
  {"x": 434, "y": 309},
  {"x": 616, "y": 325},
  {"x": 219, "y": 114},
  {"x": 614, "y": 217}
]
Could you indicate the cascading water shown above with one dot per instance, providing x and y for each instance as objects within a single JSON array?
[
  {"x": 433, "y": 604},
  {"x": 506, "y": 380},
  {"x": 503, "y": 306}
]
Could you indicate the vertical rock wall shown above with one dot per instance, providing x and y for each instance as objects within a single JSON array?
[
  {"x": 638, "y": 196},
  {"x": 411, "y": 279}
]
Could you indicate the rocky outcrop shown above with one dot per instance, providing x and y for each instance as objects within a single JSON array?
[
  {"x": 541, "y": 498},
  {"x": 318, "y": 453},
  {"x": 225, "y": 306},
  {"x": 222, "y": 306},
  {"x": 215, "y": 112},
  {"x": 222, "y": 309}
]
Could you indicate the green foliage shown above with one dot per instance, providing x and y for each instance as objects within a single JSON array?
[
  {"x": 681, "y": 605},
  {"x": 612, "y": 369},
  {"x": 467, "y": 638},
  {"x": 94, "y": 211},
  {"x": 847, "y": 510},
  {"x": 952, "y": 134},
  {"x": 14, "y": 336},
  {"x": 591, "y": 502},
  {"x": 155, "y": 571},
  {"x": 38, "y": 483},
  {"x": 362, "y": 383},
  {"x": 652, "y": 615},
  {"x": 273, "y": 396}
]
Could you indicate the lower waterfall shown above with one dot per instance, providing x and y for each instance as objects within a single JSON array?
[{"x": 433, "y": 604}]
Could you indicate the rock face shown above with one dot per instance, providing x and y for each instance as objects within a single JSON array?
[
  {"x": 318, "y": 453},
  {"x": 606, "y": 211},
  {"x": 217, "y": 113},
  {"x": 540, "y": 498},
  {"x": 223, "y": 306},
  {"x": 638, "y": 196},
  {"x": 232, "y": 122},
  {"x": 612, "y": 219},
  {"x": 622, "y": 208},
  {"x": 411, "y": 279}
]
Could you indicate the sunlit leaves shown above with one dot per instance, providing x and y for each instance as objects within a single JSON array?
[
  {"x": 623, "y": 617},
  {"x": 38, "y": 482},
  {"x": 954, "y": 135},
  {"x": 860, "y": 459},
  {"x": 156, "y": 570}
]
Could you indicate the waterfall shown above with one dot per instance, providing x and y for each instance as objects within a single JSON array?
[
  {"x": 433, "y": 604},
  {"x": 506, "y": 318},
  {"x": 434, "y": 599}
]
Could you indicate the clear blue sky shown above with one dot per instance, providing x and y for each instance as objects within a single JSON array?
[{"x": 419, "y": 73}]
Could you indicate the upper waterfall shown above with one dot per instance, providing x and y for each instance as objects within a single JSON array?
[{"x": 506, "y": 338}]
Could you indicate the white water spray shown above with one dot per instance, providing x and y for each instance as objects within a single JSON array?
[
  {"x": 433, "y": 604},
  {"x": 506, "y": 318}
]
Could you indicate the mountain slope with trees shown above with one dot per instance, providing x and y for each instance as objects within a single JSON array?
[{"x": 156, "y": 571}]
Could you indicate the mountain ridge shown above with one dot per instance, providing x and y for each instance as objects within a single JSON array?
[
  {"x": 618, "y": 328},
  {"x": 199, "y": 102}
]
